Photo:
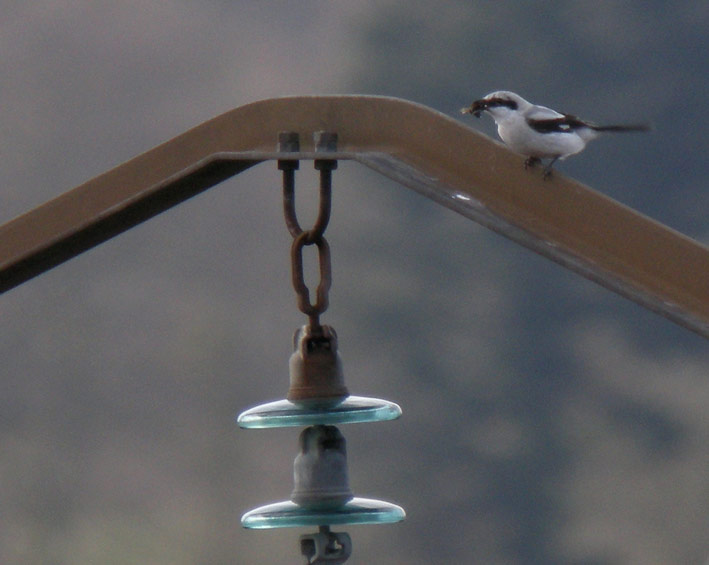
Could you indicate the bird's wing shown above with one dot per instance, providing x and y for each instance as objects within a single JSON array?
[
  {"x": 541, "y": 113},
  {"x": 546, "y": 120}
]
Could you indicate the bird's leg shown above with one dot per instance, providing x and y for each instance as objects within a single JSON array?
[
  {"x": 547, "y": 170},
  {"x": 531, "y": 162}
]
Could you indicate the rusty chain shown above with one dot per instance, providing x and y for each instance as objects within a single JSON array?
[{"x": 288, "y": 141}]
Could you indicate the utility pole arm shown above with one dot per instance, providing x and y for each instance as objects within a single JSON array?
[{"x": 422, "y": 149}]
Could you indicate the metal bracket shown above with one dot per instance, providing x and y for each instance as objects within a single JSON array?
[{"x": 325, "y": 546}]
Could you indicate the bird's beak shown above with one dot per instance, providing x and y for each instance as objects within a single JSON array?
[{"x": 476, "y": 108}]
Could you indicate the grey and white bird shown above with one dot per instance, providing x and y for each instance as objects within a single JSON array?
[{"x": 538, "y": 132}]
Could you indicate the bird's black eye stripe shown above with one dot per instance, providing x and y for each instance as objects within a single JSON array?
[{"x": 494, "y": 102}]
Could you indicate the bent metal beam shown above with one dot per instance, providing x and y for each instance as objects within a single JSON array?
[{"x": 425, "y": 150}]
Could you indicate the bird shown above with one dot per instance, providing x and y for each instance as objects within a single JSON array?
[{"x": 538, "y": 132}]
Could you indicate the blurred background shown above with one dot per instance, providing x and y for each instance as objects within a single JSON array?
[{"x": 546, "y": 420}]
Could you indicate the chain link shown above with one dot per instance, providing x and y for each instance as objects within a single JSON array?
[
  {"x": 324, "y": 207},
  {"x": 314, "y": 236},
  {"x": 301, "y": 289}
]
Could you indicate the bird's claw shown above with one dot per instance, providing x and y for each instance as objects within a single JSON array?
[{"x": 531, "y": 162}]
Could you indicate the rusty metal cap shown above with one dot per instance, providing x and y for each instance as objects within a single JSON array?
[{"x": 315, "y": 368}]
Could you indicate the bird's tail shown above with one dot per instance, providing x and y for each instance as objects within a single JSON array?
[{"x": 622, "y": 128}]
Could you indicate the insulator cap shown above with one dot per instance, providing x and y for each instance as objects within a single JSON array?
[
  {"x": 320, "y": 469},
  {"x": 315, "y": 368}
]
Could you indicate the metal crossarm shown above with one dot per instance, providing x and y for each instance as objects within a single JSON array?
[{"x": 422, "y": 149}]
